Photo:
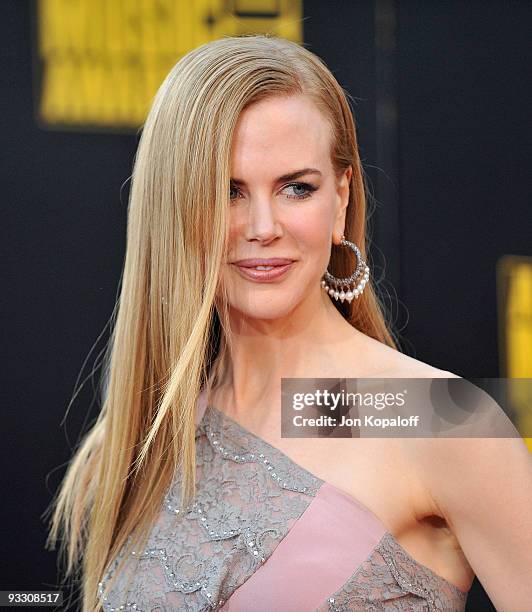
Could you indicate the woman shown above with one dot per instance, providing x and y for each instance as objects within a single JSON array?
[{"x": 249, "y": 153}]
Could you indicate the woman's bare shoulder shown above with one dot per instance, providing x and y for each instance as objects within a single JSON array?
[
  {"x": 392, "y": 363},
  {"x": 419, "y": 453}
]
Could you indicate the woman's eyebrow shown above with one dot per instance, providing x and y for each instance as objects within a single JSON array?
[{"x": 286, "y": 177}]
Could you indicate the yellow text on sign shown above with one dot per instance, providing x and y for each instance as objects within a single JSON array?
[{"x": 101, "y": 61}]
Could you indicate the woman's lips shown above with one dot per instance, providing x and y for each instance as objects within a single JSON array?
[{"x": 263, "y": 275}]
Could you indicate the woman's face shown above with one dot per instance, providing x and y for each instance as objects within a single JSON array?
[{"x": 286, "y": 202}]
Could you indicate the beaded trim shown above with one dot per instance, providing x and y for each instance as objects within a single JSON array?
[
  {"x": 407, "y": 585},
  {"x": 389, "y": 547},
  {"x": 278, "y": 472}
]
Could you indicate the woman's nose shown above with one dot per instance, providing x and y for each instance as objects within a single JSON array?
[{"x": 262, "y": 221}]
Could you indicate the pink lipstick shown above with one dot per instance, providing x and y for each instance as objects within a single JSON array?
[{"x": 263, "y": 270}]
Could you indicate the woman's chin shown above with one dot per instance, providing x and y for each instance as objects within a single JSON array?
[{"x": 261, "y": 310}]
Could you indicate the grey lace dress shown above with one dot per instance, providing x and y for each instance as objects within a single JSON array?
[{"x": 262, "y": 535}]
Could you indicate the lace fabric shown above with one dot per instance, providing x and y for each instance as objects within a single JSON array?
[
  {"x": 390, "y": 579},
  {"x": 249, "y": 496}
]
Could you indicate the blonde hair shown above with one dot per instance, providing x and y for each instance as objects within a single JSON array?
[{"x": 168, "y": 339}]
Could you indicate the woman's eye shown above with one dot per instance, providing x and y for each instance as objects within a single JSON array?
[
  {"x": 307, "y": 190},
  {"x": 301, "y": 191}
]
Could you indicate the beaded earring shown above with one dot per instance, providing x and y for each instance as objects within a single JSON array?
[{"x": 335, "y": 286}]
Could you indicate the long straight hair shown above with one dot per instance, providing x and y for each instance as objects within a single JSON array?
[{"x": 169, "y": 336}]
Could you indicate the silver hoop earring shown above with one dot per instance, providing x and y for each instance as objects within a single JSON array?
[{"x": 335, "y": 286}]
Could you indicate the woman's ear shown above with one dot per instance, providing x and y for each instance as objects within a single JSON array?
[
  {"x": 342, "y": 199},
  {"x": 343, "y": 186}
]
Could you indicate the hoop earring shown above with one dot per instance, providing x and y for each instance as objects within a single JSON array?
[{"x": 335, "y": 286}]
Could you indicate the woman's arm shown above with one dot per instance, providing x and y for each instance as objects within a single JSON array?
[{"x": 483, "y": 488}]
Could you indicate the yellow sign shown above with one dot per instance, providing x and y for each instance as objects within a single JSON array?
[
  {"x": 101, "y": 61},
  {"x": 514, "y": 287}
]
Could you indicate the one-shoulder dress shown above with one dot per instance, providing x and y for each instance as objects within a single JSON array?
[{"x": 263, "y": 534}]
